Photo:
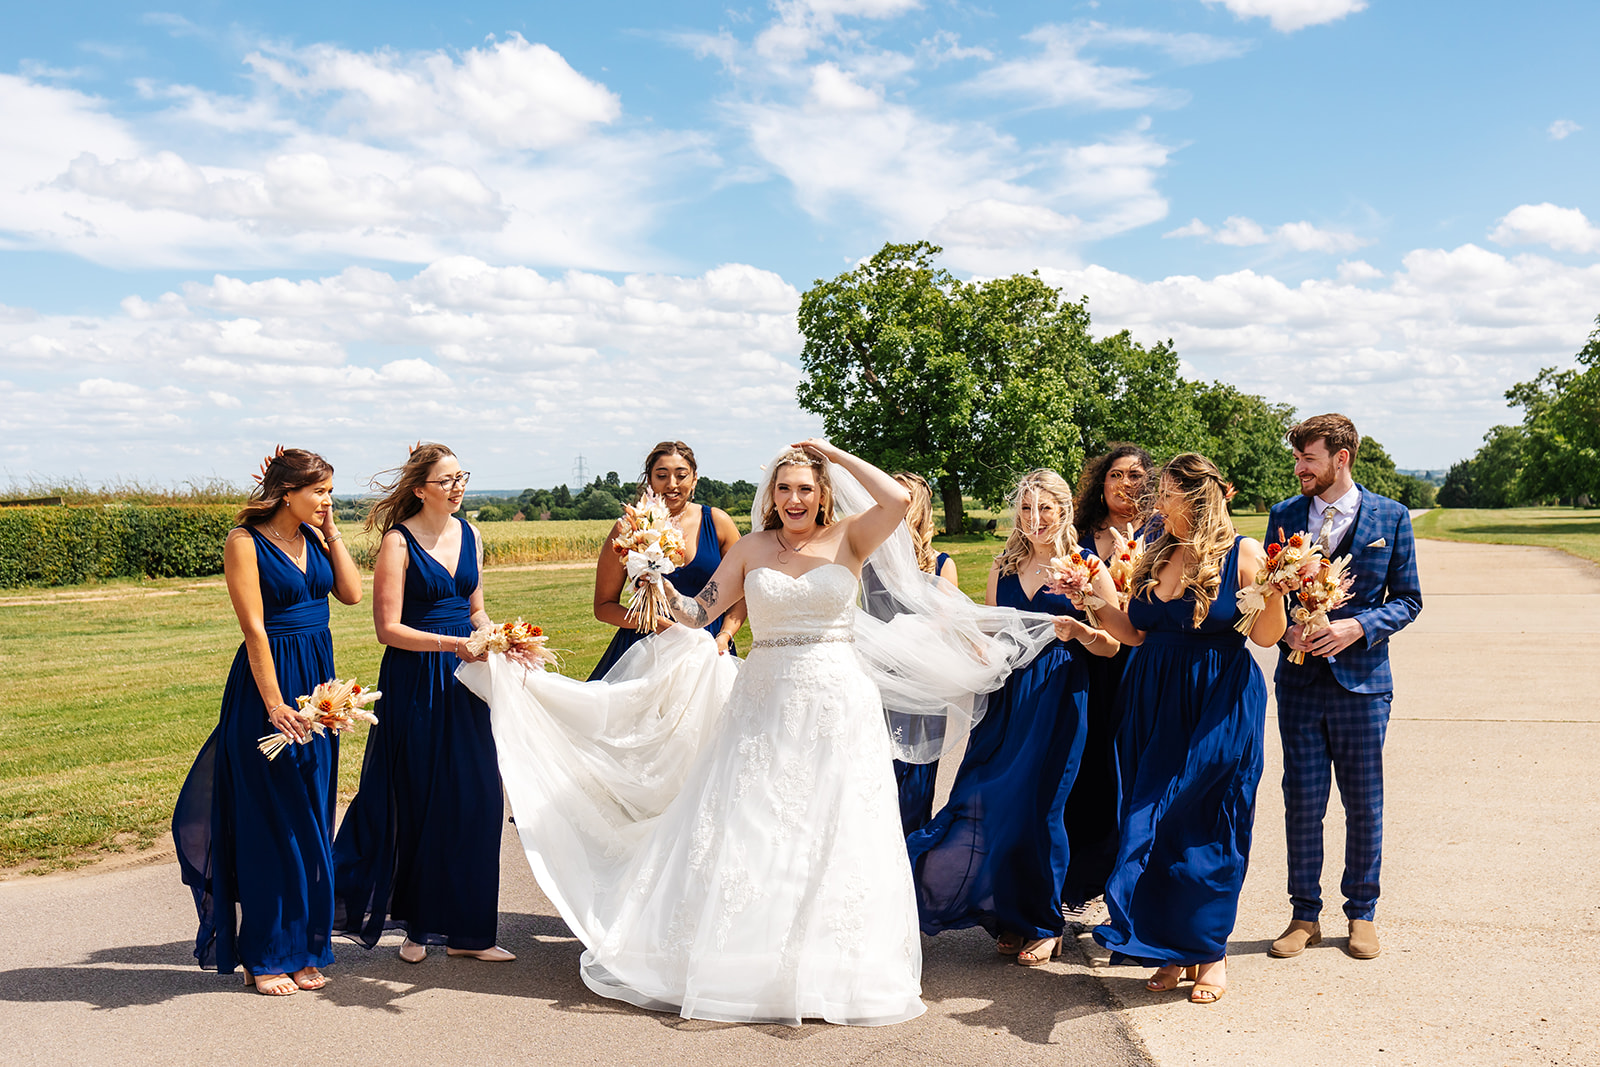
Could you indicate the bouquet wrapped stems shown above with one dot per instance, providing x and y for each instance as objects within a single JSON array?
[
  {"x": 1291, "y": 562},
  {"x": 1329, "y": 588},
  {"x": 651, "y": 545},
  {"x": 332, "y": 707}
]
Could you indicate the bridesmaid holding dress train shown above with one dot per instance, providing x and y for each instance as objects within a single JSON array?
[
  {"x": 254, "y": 835},
  {"x": 419, "y": 847}
]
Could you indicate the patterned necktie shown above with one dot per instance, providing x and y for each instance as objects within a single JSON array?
[{"x": 1326, "y": 533}]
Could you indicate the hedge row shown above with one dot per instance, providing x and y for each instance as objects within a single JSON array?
[{"x": 69, "y": 545}]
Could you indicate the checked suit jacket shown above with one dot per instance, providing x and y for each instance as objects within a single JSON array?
[{"x": 1385, "y": 596}]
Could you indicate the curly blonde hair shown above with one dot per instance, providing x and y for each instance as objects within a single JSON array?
[
  {"x": 799, "y": 457},
  {"x": 1041, "y": 483},
  {"x": 919, "y": 520},
  {"x": 1211, "y": 533}
]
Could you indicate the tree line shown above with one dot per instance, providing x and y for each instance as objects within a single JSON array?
[
  {"x": 603, "y": 499},
  {"x": 1553, "y": 457},
  {"x": 972, "y": 383}
]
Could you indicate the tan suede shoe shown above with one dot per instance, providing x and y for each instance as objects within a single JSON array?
[
  {"x": 1363, "y": 939},
  {"x": 1301, "y": 933}
]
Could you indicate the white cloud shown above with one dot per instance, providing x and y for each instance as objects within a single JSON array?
[
  {"x": 511, "y": 93},
  {"x": 1563, "y": 228},
  {"x": 1421, "y": 363},
  {"x": 1290, "y": 15},
  {"x": 520, "y": 367},
  {"x": 1242, "y": 232},
  {"x": 1561, "y": 129}
]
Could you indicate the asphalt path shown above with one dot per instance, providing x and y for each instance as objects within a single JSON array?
[{"x": 1490, "y": 918}]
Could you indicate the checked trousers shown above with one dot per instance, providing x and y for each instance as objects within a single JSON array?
[{"x": 1331, "y": 734}]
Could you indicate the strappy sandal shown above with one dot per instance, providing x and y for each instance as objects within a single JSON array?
[
  {"x": 1008, "y": 944},
  {"x": 1034, "y": 954},
  {"x": 1205, "y": 992},
  {"x": 1166, "y": 983},
  {"x": 310, "y": 978},
  {"x": 272, "y": 985}
]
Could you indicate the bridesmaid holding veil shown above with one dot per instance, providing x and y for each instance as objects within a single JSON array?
[
  {"x": 253, "y": 835},
  {"x": 1189, "y": 748},
  {"x": 996, "y": 854},
  {"x": 671, "y": 473},
  {"x": 420, "y": 845}
]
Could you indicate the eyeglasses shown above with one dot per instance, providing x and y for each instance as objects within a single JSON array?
[{"x": 458, "y": 482}]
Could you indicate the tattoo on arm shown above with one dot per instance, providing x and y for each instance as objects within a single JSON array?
[
  {"x": 709, "y": 594},
  {"x": 689, "y": 611}
]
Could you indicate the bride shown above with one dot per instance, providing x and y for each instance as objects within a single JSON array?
[{"x": 725, "y": 841}]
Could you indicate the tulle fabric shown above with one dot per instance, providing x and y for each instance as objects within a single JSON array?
[
  {"x": 725, "y": 842},
  {"x": 933, "y": 655},
  {"x": 253, "y": 835},
  {"x": 419, "y": 846}
]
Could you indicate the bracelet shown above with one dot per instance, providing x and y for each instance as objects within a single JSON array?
[
  {"x": 337, "y": 536},
  {"x": 439, "y": 642}
]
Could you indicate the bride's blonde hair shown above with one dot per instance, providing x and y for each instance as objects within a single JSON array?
[
  {"x": 799, "y": 457},
  {"x": 1211, "y": 533},
  {"x": 919, "y": 520},
  {"x": 1041, "y": 484}
]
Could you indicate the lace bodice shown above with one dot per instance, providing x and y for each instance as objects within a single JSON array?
[{"x": 820, "y": 601}]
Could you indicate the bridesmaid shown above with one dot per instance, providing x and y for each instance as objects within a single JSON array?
[
  {"x": 1111, "y": 494},
  {"x": 996, "y": 854},
  {"x": 253, "y": 834},
  {"x": 420, "y": 845},
  {"x": 671, "y": 472},
  {"x": 916, "y": 780},
  {"x": 1189, "y": 746}
]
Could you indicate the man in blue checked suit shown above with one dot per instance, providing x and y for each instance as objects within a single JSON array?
[{"x": 1333, "y": 710}]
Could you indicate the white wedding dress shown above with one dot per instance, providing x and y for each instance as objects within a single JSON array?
[{"x": 724, "y": 839}]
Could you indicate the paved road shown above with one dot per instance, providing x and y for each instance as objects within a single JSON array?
[{"x": 1490, "y": 918}]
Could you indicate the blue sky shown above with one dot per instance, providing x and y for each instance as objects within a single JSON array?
[{"x": 536, "y": 230}]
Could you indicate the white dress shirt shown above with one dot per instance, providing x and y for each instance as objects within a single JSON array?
[{"x": 1344, "y": 513}]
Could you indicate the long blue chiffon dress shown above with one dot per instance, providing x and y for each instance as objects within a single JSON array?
[
  {"x": 1091, "y": 811},
  {"x": 916, "y": 781},
  {"x": 419, "y": 847},
  {"x": 253, "y": 835},
  {"x": 996, "y": 853},
  {"x": 1188, "y": 761},
  {"x": 688, "y": 579}
]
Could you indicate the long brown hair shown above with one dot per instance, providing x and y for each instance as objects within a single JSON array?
[
  {"x": 291, "y": 469},
  {"x": 666, "y": 448},
  {"x": 799, "y": 457},
  {"x": 919, "y": 520},
  {"x": 400, "y": 500},
  {"x": 1018, "y": 548},
  {"x": 1211, "y": 533}
]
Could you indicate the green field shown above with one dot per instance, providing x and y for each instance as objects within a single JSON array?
[{"x": 1575, "y": 531}]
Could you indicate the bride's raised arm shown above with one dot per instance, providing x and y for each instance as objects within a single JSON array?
[
  {"x": 721, "y": 592},
  {"x": 869, "y": 529}
]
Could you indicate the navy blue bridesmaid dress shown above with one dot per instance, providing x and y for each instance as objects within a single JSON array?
[
  {"x": 1091, "y": 811},
  {"x": 253, "y": 834},
  {"x": 419, "y": 847},
  {"x": 688, "y": 579},
  {"x": 1189, "y": 756},
  {"x": 916, "y": 780},
  {"x": 996, "y": 853}
]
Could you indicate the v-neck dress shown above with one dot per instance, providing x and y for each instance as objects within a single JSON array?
[
  {"x": 419, "y": 847},
  {"x": 1189, "y": 757},
  {"x": 253, "y": 834},
  {"x": 688, "y": 579},
  {"x": 996, "y": 854}
]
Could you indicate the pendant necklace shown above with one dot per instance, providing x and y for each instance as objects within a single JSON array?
[
  {"x": 784, "y": 547},
  {"x": 287, "y": 541}
]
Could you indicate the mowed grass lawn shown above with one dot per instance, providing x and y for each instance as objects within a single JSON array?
[
  {"x": 1572, "y": 530},
  {"x": 109, "y": 690}
]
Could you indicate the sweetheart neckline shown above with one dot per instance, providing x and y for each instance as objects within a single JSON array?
[{"x": 813, "y": 570}]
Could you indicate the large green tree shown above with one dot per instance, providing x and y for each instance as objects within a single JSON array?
[
  {"x": 966, "y": 383},
  {"x": 1245, "y": 438}
]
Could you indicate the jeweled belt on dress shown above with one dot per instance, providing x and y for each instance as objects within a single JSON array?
[{"x": 802, "y": 639}]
